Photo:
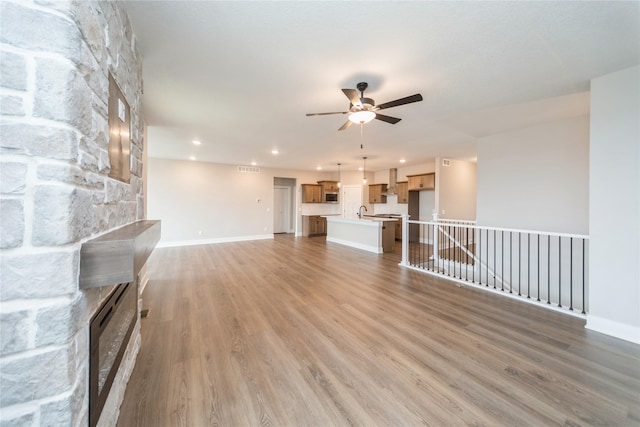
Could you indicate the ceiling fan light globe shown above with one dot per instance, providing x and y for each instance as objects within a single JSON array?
[{"x": 362, "y": 116}]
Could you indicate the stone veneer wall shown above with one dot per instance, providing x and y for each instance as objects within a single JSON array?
[{"x": 55, "y": 59}]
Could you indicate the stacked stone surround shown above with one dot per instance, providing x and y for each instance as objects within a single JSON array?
[{"x": 55, "y": 193}]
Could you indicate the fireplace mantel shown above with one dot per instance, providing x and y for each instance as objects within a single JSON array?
[{"x": 117, "y": 257}]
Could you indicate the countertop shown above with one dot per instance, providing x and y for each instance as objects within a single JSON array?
[{"x": 364, "y": 220}]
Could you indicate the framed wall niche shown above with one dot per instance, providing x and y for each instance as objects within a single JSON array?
[{"x": 119, "y": 133}]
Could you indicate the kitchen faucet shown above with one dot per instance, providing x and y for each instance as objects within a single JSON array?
[{"x": 360, "y": 211}]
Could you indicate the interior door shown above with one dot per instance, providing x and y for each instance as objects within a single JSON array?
[
  {"x": 351, "y": 200},
  {"x": 281, "y": 209}
]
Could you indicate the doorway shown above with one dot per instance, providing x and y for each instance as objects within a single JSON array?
[
  {"x": 283, "y": 205},
  {"x": 351, "y": 200}
]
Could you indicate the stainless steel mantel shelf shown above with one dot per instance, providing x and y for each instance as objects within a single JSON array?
[{"x": 117, "y": 256}]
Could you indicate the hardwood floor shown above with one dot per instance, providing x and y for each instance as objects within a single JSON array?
[{"x": 299, "y": 332}]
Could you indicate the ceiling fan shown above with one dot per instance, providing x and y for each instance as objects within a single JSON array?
[{"x": 363, "y": 110}]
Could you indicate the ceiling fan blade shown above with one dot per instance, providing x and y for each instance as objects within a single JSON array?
[
  {"x": 388, "y": 119},
  {"x": 346, "y": 125},
  {"x": 408, "y": 100},
  {"x": 326, "y": 114},
  {"x": 352, "y": 94}
]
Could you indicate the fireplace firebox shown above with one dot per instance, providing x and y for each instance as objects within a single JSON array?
[{"x": 110, "y": 331}]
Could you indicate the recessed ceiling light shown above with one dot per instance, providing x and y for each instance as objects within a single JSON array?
[
  {"x": 402, "y": 160},
  {"x": 253, "y": 163},
  {"x": 274, "y": 151},
  {"x": 360, "y": 168},
  {"x": 196, "y": 142},
  {"x": 192, "y": 158},
  {"x": 319, "y": 168}
]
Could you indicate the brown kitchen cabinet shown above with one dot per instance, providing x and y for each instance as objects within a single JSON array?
[
  {"x": 314, "y": 225},
  {"x": 378, "y": 193},
  {"x": 425, "y": 181},
  {"x": 403, "y": 192},
  {"x": 311, "y": 193},
  {"x": 399, "y": 229},
  {"x": 329, "y": 186}
]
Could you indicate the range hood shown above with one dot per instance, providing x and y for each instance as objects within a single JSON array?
[{"x": 392, "y": 187}]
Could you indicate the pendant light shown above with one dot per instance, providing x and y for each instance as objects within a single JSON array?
[
  {"x": 364, "y": 170},
  {"x": 339, "y": 176}
]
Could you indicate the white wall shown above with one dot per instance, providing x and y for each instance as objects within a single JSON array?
[
  {"x": 382, "y": 177},
  {"x": 536, "y": 178},
  {"x": 457, "y": 185},
  {"x": 614, "y": 208},
  {"x": 427, "y": 205},
  {"x": 197, "y": 201},
  {"x": 202, "y": 202}
]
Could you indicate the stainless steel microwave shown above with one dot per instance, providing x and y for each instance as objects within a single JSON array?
[{"x": 331, "y": 197}]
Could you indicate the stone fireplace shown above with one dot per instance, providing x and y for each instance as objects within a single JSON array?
[{"x": 56, "y": 194}]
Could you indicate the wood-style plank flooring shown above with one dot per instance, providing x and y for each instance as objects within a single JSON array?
[{"x": 300, "y": 332}]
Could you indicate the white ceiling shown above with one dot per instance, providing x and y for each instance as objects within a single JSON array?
[{"x": 240, "y": 76}]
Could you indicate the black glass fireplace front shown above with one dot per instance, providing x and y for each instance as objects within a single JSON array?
[{"x": 110, "y": 330}]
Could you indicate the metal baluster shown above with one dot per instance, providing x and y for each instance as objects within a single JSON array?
[
  {"x": 473, "y": 271},
  {"x": 583, "y": 279},
  {"x": 418, "y": 248},
  {"x": 510, "y": 262},
  {"x": 487, "y": 284},
  {"x": 421, "y": 247},
  {"x": 548, "y": 269},
  {"x": 411, "y": 246},
  {"x": 416, "y": 244},
  {"x": 571, "y": 274},
  {"x": 466, "y": 254},
  {"x": 449, "y": 251},
  {"x": 502, "y": 259},
  {"x": 430, "y": 231},
  {"x": 538, "y": 267},
  {"x": 420, "y": 240},
  {"x": 414, "y": 248},
  {"x": 559, "y": 271},
  {"x": 458, "y": 247},
  {"x": 439, "y": 243},
  {"x": 494, "y": 259},
  {"x": 519, "y": 262},
  {"x": 528, "y": 265}
]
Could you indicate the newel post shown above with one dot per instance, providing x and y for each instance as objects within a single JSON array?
[{"x": 405, "y": 241}]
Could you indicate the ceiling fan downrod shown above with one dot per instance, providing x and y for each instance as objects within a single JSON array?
[{"x": 362, "y": 86}]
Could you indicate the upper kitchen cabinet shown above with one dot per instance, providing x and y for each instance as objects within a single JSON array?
[
  {"x": 330, "y": 191},
  {"x": 378, "y": 193},
  {"x": 311, "y": 193},
  {"x": 329, "y": 186},
  {"x": 426, "y": 181},
  {"x": 403, "y": 192}
]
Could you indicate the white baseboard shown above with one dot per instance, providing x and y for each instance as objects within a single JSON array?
[
  {"x": 162, "y": 244},
  {"x": 615, "y": 329}
]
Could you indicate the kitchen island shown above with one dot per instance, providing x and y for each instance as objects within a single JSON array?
[{"x": 371, "y": 234}]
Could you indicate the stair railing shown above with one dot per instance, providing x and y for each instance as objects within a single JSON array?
[{"x": 543, "y": 267}]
